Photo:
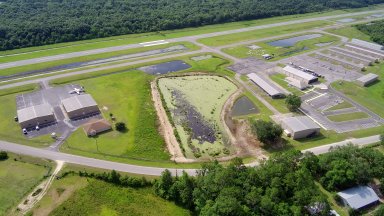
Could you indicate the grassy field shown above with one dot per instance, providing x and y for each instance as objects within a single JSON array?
[
  {"x": 35, "y": 52},
  {"x": 75, "y": 195},
  {"x": 342, "y": 105},
  {"x": 18, "y": 176},
  {"x": 348, "y": 116},
  {"x": 127, "y": 96},
  {"x": 9, "y": 129},
  {"x": 350, "y": 32},
  {"x": 51, "y": 64},
  {"x": 371, "y": 97},
  {"x": 216, "y": 91},
  {"x": 243, "y": 51},
  {"x": 262, "y": 33}
]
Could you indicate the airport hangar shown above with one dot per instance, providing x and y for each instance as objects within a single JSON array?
[
  {"x": 300, "y": 127},
  {"x": 268, "y": 88},
  {"x": 367, "y": 79},
  {"x": 80, "y": 106},
  {"x": 299, "y": 75},
  {"x": 38, "y": 115}
]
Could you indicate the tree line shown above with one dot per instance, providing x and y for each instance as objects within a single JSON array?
[
  {"x": 375, "y": 30},
  {"x": 25, "y": 23}
]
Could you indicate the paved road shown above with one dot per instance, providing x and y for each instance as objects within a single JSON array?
[{"x": 187, "y": 38}]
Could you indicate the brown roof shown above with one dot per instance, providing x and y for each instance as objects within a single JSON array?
[{"x": 96, "y": 126}]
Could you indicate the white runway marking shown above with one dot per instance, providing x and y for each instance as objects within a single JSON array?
[{"x": 155, "y": 44}]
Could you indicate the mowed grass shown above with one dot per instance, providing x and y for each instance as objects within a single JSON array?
[
  {"x": 348, "y": 116},
  {"x": 75, "y": 195},
  {"x": 342, "y": 105},
  {"x": 11, "y": 130},
  {"x": 372, "y": 97},
  {"x": 127, "y": 96},
  {"x": 243, "y": 51},
  {"x": 52, "y": 64},
  {"x": 349, "y": 32},
  {"x": 261, "y": 33},
  {"x": 207, "y": 95},
  {"x": 55, "y": 49},
  {"x": 18, "y": 176}
]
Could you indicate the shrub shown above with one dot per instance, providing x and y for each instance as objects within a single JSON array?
[
  {"x": 120, "y": 126},
  {"x": 293, "y": 102},
  {"x": 3, "y": 155}
]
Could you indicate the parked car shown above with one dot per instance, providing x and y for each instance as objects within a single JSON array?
[{"x": 25, "y": 131}]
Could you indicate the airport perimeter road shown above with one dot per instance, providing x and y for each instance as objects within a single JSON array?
[
  {"x": 73, "y": 159},
  {"x": 187, "y": 38},
  {"x": 360, "y": 142}
]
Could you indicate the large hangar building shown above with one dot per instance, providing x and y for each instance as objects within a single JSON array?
[
  {"x": 33, "y": 116},
  {"x": 300, "y": 127},
  {"x": 80, "y": 106}
]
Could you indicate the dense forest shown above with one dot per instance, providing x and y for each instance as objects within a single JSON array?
[
  {"x": 25, "y": 23},
  {"x": 375, "y": 30}
]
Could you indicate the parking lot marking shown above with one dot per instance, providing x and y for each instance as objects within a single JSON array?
[{"x": 309, "y": 100}]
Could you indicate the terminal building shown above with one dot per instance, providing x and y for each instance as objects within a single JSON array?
[
  {"x": 367, "y": 79},
  {"x": 299, "y": 75},
  {"x": 80, "y": 106},
  {"x": 300, "y": 127},
  {"x": 268, "y": 88},
  {"x": 33, "y": 116}
]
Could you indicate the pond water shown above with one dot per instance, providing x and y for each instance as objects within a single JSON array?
[
  {"x": 243, "y": 106},
  {"x": 166, "y": 67},
  {"x": 293, "y": 40}
]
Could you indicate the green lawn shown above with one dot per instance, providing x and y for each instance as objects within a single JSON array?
[
  {"x": 216, "y": 91},
  {"x": 262, "y": 33},
  {"x": 243, "y": 51},
  {"x": 9, "y": 129},
  {"x": 151, "y": 36},
  {"x": 371, "y": 97},
  {"x": 75, "y": 195},
  {"x": 127, "y": 96},
  {"x": 280, "y": 79},
  {"x": 348, "y": 116},
  {"x": 18, "y": 176},
  {"x": 349, "y": 32},
  {"x": 46, "y": 65},
  {"x": 342, "y": 105}
]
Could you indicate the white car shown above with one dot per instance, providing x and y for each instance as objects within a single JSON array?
[
  {"x": 37, "y": 127},
  {"x": 25, "y": 131}
]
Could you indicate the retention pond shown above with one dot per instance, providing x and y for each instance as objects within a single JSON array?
[{"x": 293, "y": 40}]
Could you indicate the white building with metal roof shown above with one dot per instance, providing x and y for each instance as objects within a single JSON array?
[
  {"x": 299, "y": 75},
  {"x": 367, "y": 79},
  {"x": 267, "y": 87},
  {"x": 300, "y": 127},
  {"x": 80, "y": 106},
  {"x": 359, "y": 197},
  {"x": 369, "y": 45},
  {"x": 35, "y": 116}
]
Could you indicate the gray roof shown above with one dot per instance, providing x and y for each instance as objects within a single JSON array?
[
  {"x": 300, "y": 123},
  {"x": 258, "y": 80},
  {"x": 354, "y": 46},
  {"x": 33, "y": 112},
  {"x": 358, "y": 197},
  {"x": 299, "y": 73},
  {"x": 78, "y": 102},
  {"x": 369, "y": 45},
  {"x": 368, "y": 78}
]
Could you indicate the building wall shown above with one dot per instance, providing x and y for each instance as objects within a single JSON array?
[
  {"x": 38, "y": 121},
  {"x": 366, "y": 83},
  {"x": 83, "y": 112},
  {"x": 304, "y": 133}
]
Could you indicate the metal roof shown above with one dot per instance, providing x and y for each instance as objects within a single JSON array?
[
  {"x": 299, "y": 73},
  {"x": 78, "y": 102},
  {"x": 358, "y": 197},
  {"x": 367, "y": 78},
  {"x": 369, "y": 45},
  {"x": 300, "y": 123},
  {"x": 258, "y": 80},
  {"x": 33, "y": 112}
]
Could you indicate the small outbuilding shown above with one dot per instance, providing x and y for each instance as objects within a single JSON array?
[
  {"x": 33, "y": 116},
  {"x": 267, "y": 87},
  {"x": 359, "y": 197},
  {"x": 80, "y": 106},
  {"x": 299, "y": 75},
  {"x": 96, "y": 126},
  {"x": 367, "y": 79},
  {"x": 300, "y": 127}
]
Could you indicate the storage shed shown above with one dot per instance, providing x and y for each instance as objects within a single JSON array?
[
  {"x": 359, "y": 197},
  {"x": 268, "y": 88},
  {"x": 96, "y": 126},
  {"x": 35, "y": 115},
  {"x": 299, "y": 75},
  {"x": 300, "y": 127},
  {"x": 367, "y": 79},
  {"x": 80, "y": 106}
]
